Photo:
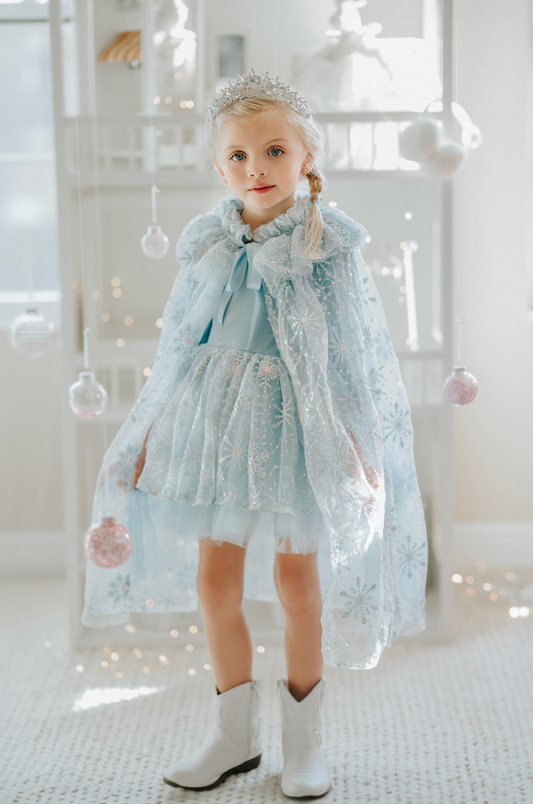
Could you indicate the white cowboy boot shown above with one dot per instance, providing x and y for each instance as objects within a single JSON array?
[
  {"x": 235, "y": 747},
  {"x": 305, "y": 770}
]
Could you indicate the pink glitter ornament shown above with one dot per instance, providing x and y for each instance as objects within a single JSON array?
[
  {"x": 108, "y": 544},
  {"x": 460, "y": 387}
]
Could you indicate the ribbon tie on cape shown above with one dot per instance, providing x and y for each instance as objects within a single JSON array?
[{"x": 243, "y": 265}]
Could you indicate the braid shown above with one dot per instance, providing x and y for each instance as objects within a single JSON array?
[{"x": 313, "y": 224}]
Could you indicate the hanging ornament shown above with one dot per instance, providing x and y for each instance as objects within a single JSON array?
[
  {"x": 423, "y": 141},
  {"x": 448, "y": 158},
  {"x": 420, "y": 140},
  {"x": 32, "y": 334},
  {"x": 108, "y": 544},
  {"x": 154, "y": 243},
  {"x": 87, "y": 397},
  {"x": 460, "y": 387}
]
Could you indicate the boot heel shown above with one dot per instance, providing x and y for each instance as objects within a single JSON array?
[{"x": 249, "y": 765}]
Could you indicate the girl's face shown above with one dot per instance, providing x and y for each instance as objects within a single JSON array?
[{"x": 261, "y": 158}]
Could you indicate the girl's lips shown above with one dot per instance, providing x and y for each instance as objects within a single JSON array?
[{"x": 262, "y": 189}]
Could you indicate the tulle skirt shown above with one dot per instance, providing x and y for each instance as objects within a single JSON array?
[{"x": 225, "y": 457}]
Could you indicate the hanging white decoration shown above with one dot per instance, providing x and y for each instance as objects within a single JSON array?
[
  {"x": 154, "y": 243},
  {"x": 423, "y": 141},
  {"x": 32, "y": 334},
  {"x": 460, "y": 387},
  {"x": 420, "y": 140},
  {"x": 87, "y": 397}
]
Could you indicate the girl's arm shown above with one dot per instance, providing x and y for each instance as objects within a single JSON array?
[
  {"x": 140, "y": 461},
  {"x": 371, "y": 472}
]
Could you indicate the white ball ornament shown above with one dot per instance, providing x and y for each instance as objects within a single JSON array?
[
  {"x": 32, "y": 334},
  {"x": 420, "y": 140},
  {"x": 447, "y": 159}
]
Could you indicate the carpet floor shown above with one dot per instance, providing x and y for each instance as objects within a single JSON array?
[{"x": 431, "y": 724}]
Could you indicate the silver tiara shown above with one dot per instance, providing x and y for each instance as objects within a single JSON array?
[{"x": 252, "y": 85}]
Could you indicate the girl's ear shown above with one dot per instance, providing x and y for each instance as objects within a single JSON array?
[
  {"x": 308, "y": 164},
  {"x": 219, "y": 170}
]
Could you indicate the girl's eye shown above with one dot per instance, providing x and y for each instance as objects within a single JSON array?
[
  {"x": 275, "y": 148},
  {"x": 234, "y": 159}
]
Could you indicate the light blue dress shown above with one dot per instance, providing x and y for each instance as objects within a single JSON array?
[{"x": 227, "y": 449}]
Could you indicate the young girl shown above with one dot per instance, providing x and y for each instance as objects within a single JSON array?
[{"x": 273, "y": 438}]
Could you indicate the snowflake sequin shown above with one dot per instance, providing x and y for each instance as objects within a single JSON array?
[
  {"x": 358, "y": 601},
  {"x": 412, "y": 556},
  {"x": 119, "y": 587},
  {"x": 397, "y": 426}
]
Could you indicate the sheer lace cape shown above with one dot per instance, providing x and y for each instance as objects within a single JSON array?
[{"x": 331, "y": 332}]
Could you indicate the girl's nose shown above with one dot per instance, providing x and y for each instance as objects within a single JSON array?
[{"x": 255, "y": 170}]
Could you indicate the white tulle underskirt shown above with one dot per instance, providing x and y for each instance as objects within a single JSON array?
[{"x": 288, "y": 533}]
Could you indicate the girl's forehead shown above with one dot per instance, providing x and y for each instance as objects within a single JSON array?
[{"x": 258, "y": 128}]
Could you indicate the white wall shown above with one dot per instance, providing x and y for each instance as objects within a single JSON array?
[{"x": 494, "y": 435}]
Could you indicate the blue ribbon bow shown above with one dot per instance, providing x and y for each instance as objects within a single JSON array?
[{"x": 244, "y": 259}]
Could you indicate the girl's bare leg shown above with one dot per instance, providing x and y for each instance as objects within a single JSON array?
[
  {"x": 298, "y": 586},
  {"x": 220, "y": 585}
]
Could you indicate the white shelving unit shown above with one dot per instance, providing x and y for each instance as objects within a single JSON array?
[{"x": 130, "y": 152}]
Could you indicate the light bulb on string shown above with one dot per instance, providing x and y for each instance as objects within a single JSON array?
[
  {"x": 460, "y": 387},
  {"x": 87, "y": 397},
  {"x": 154, "y": 243},
  {"x": 32, "y": 334}
]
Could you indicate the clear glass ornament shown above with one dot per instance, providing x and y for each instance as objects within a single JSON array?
[
  {"x": 460, "y": 387},
  {"x": 155, "y": 243},
  {"x": 32, "y": 334},
  {"x": 108, "y": 544},
  {"x": 87, "y": 397}
]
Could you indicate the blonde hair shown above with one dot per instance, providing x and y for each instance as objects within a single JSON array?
[{"x": 311, "y": 137}]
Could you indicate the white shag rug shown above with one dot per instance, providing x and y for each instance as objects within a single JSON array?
[{"x": 433, "y": 724}]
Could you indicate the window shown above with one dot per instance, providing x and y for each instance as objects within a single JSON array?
[{"x": 28, "y": 225}]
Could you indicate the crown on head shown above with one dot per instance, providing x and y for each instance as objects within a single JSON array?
[{"x": 252, "y": 85}]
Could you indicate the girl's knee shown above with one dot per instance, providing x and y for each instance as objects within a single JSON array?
[
  {"x": 217, "y": 590},
  {"x": 297, "y": 583},
  {"x": 219, "y": 582}
]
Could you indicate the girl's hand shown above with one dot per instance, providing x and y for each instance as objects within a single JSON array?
[
  {"x": 139, "y": 466},
  {"x": 372, "y": 474}
]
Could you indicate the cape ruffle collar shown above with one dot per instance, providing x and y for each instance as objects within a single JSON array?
[
  {"x": 236, "y": 229},
  {"x": 284, "y": 254}
]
